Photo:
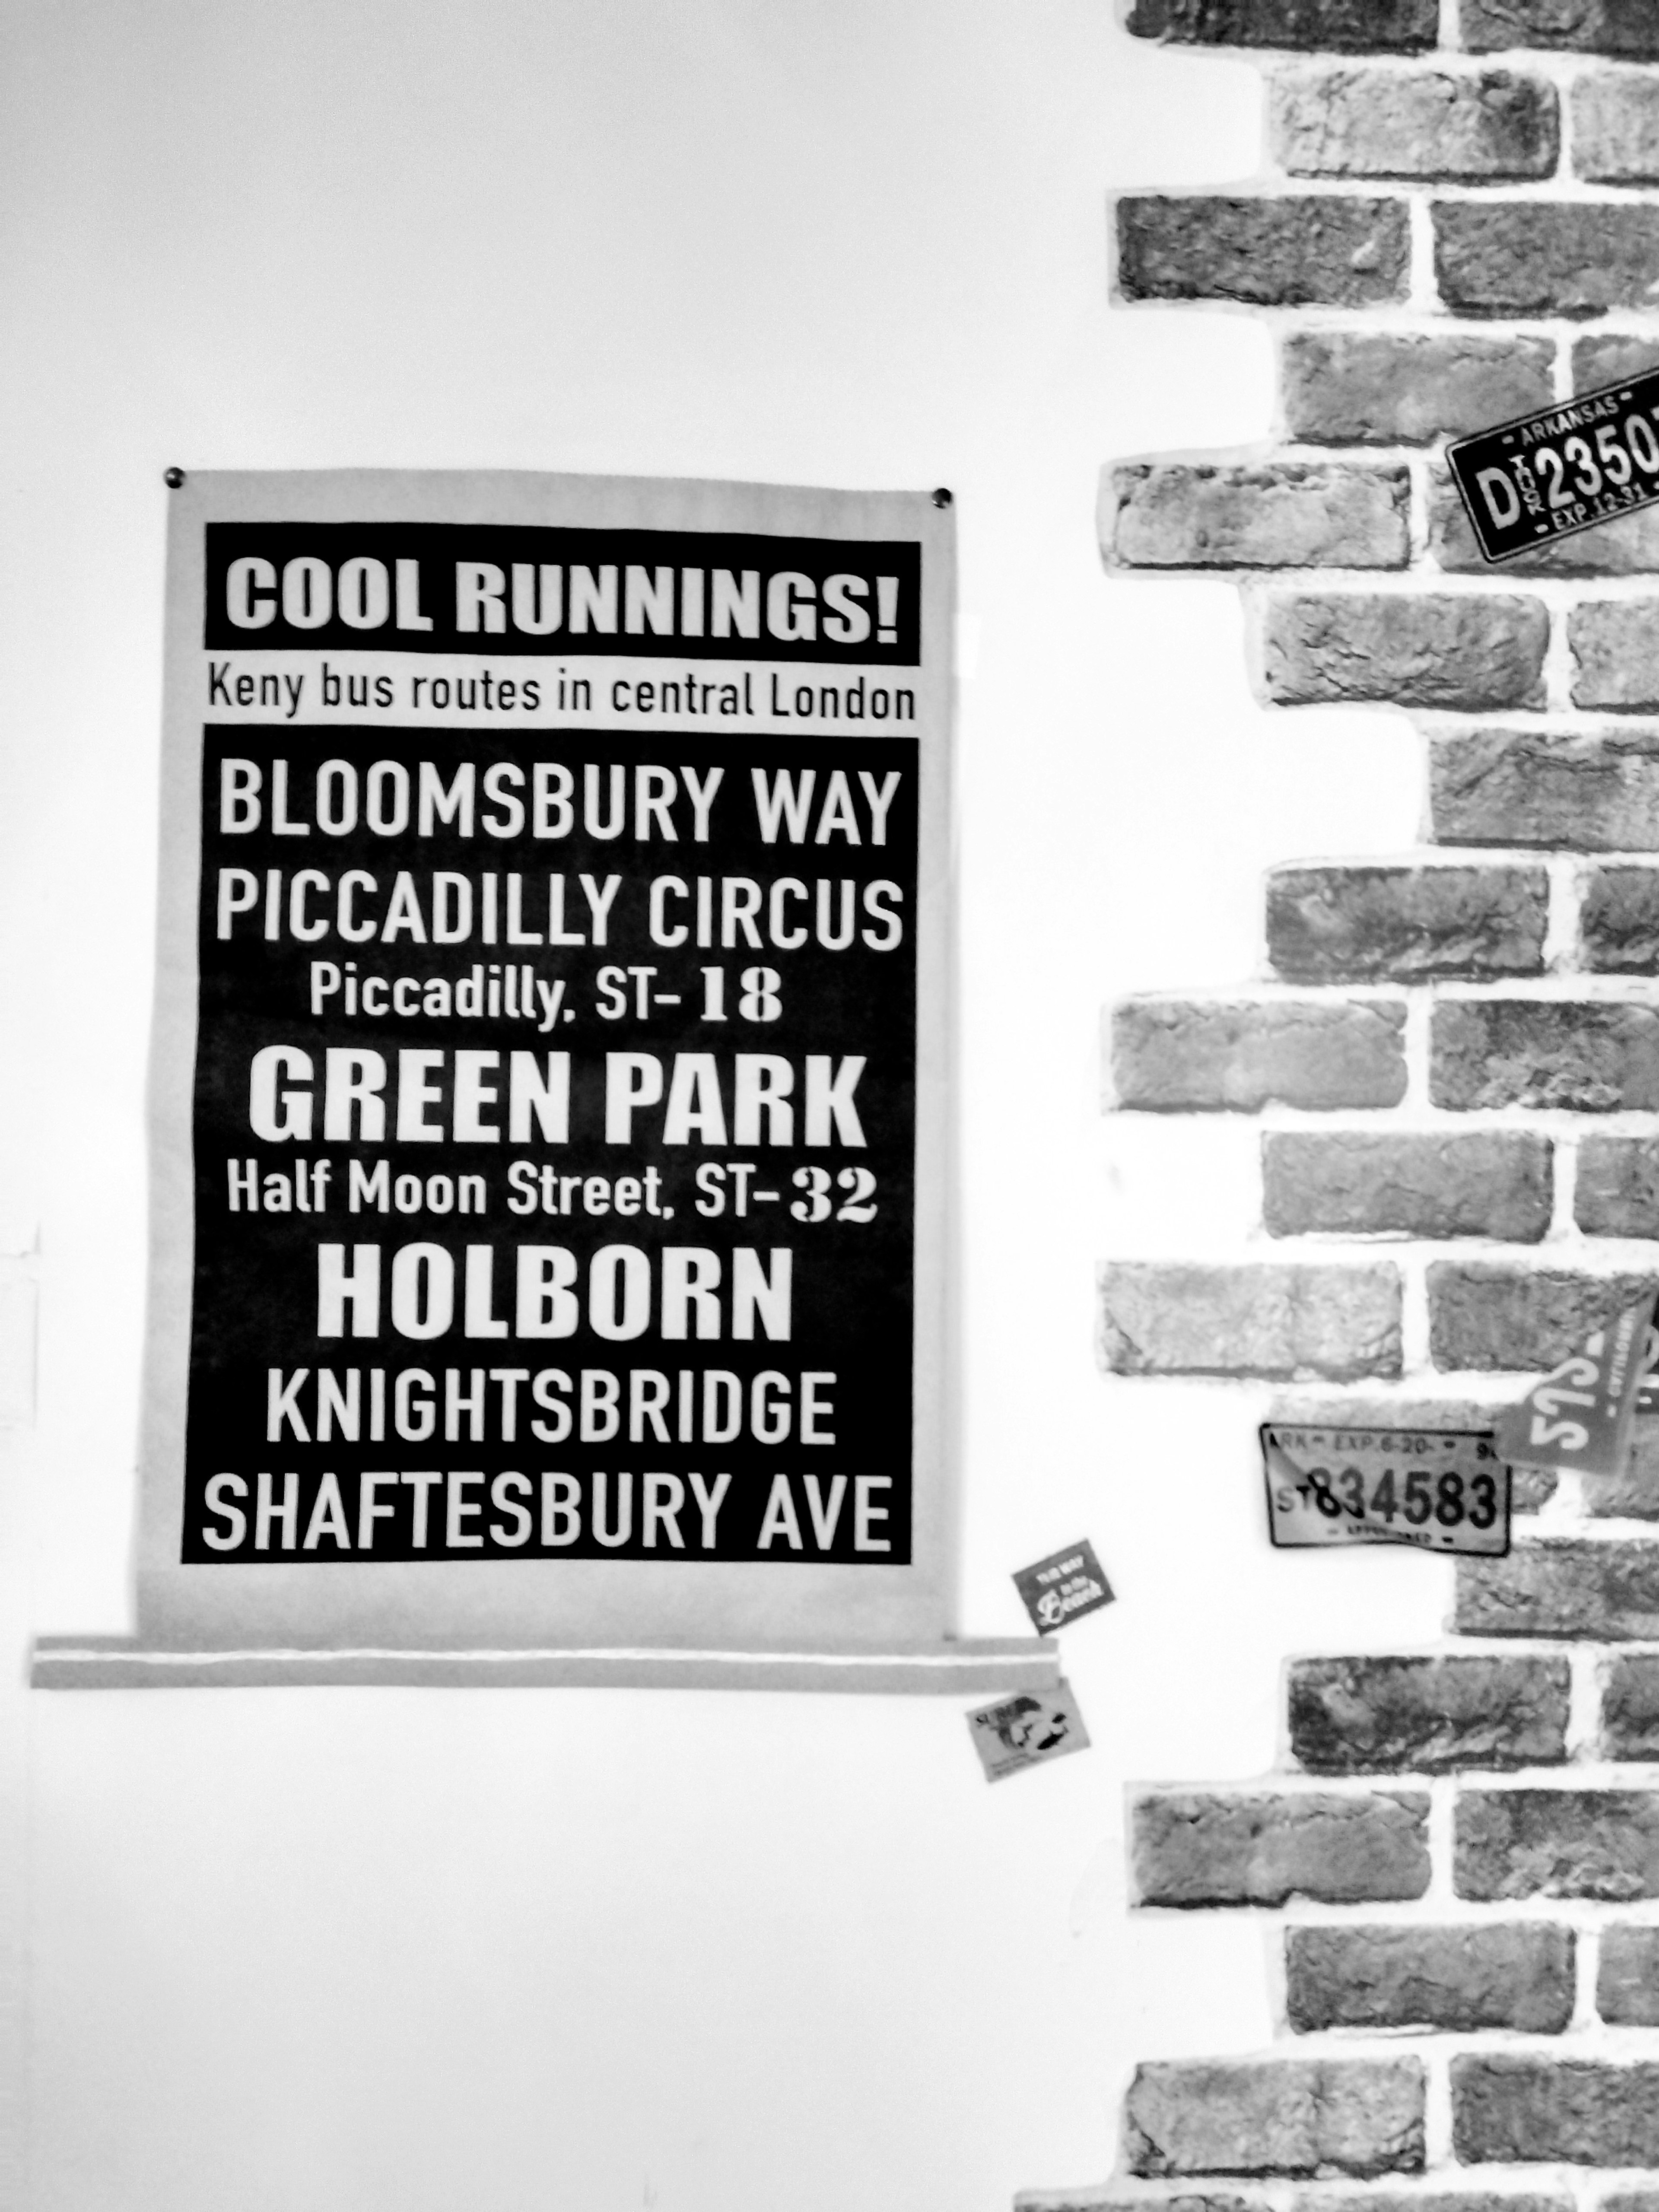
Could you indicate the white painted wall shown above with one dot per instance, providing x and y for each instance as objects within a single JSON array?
[{"x": 399, "y": 1951}]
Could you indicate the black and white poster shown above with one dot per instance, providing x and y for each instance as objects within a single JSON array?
[{"x": 550, "y": 1063}]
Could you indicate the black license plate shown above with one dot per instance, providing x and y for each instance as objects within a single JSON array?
[{"x": 1561, "y": 469}]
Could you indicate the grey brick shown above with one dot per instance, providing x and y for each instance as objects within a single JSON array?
[
  {"x": 1428, "y": 1716},
  {"x": 1354, "y": 27},
  {"x": 1627, "y": 1982},
  {"x": 1610, "y": 357},
  {"x": 1488, "y": 1316},
  {"x": 1300, "y": 252},
  {"x": 1619, "y": 921},
  {"x": 1615, "y": 649},
  {"x": 1277, "y": 1321},
  {"x": 1386, "y": 388},
  {"x": 1615, "y": 128},
  {"x": 1602, "y": 1843},
  {"x": 1457, "y": 653},
  {"x": 1373, "y": 923},
  {"x": 1103, "y": 2196},
  {"x": 1594, "y": 793},
  {"x": 1630, "y": 1707},
  {"x": 1180, "y": 1055},
  {"x": 1484, "y": 126},
  {"x": 1194, "y": 1848},
  {"x": 1514, "y": 1974},
  {"x": 1615, "y": 655},
  {"x": 1511, "y": 2109},
  {"x": 1603, "y": 1593},
  {"x": 1457, "y": 2200},
  {"x": 1293, "y": 2116},
  {"x": 1617, "y": 1192},
  {"x": 1588, "y": 1058},
  {"x": 1545, "y": 257},
  {"x": 1282, "y": 514},
  {"x": 1626, "y": 28},
  {"x": 1493, "y": 1183}
]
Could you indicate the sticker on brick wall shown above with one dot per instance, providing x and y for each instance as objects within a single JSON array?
[
  {"x": 1063, "y": 1587},
  {"x": 1442, "y": 1490},
  {"x": 1027, "y": 1731},
  {"x": 1564, "y": 469},
  {"x": 1579, "y": 1419}
]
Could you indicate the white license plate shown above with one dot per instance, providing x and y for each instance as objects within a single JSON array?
[{"x": 1443, "y": 1490}]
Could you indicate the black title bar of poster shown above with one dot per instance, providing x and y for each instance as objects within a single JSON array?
[{"x": 443, "y": 588}]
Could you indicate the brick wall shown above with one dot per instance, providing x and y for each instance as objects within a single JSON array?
[{"x": 1455, "y": 1060}]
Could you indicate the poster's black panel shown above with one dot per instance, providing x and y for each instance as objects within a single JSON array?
[{"x": 458, "y": 1296}]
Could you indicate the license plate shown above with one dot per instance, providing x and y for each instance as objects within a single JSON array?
[
  {"x": 1442, "y": 1490},
  {"x": 1562, "y": 469}
]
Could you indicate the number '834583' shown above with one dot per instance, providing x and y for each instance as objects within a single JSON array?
[
  {"x": 1438, "y": 1490},
  {"x": 1416, "y": 1497}
]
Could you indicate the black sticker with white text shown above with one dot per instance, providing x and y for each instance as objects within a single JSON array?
[{"x": 1063, "y": 1587}]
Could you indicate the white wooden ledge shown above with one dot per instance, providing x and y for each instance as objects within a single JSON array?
[{"x": 949, "y": 1669}]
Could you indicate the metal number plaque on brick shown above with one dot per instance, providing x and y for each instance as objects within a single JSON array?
[
  {"x": 1442, "y": 1490},
  {"x": 1561, "y": 469}
]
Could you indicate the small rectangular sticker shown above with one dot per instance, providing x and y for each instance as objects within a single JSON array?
[
  {"x": 1027, "y": 1731},
  {"x": 1063, "y": 1587},
  {"x": 1564, "y": 469},
  {"x": 1442, "y": 1490}
]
